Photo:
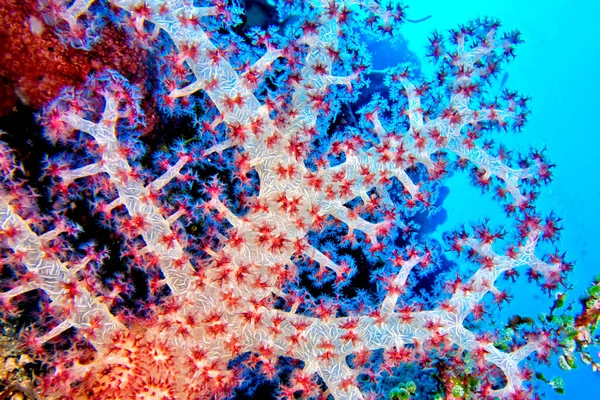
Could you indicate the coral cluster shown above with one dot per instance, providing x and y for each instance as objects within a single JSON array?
[{"x": 281, "y": 240}]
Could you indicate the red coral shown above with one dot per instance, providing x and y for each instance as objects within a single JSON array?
[{"x": 35, "y": 65}]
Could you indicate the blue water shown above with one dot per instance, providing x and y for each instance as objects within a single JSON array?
[{"x": 559, "y": 67}]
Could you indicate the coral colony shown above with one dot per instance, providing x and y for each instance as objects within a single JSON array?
[{"x": 266, "y": 231}]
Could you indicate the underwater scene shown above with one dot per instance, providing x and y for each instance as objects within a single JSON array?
[{"x": 280, "y": 199}]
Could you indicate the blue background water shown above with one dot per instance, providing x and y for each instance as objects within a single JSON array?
[{"x": 559, "y": 67}]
